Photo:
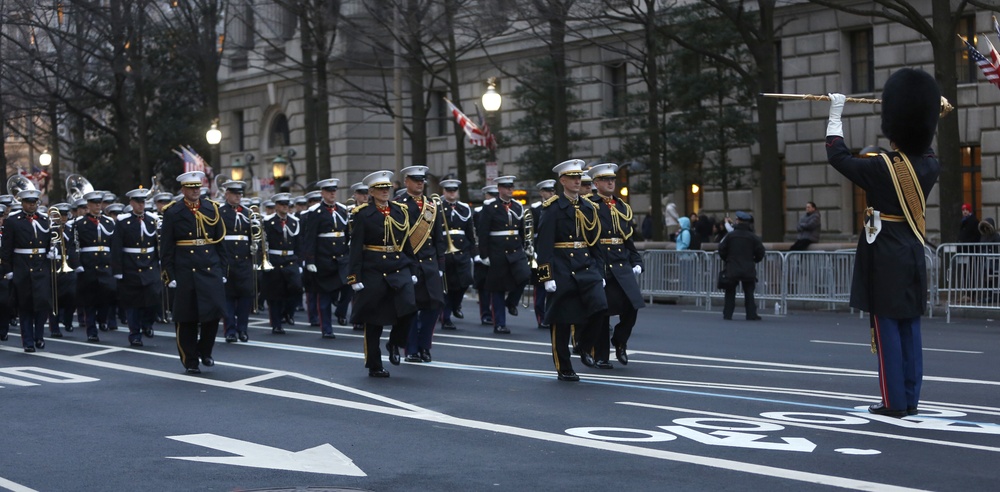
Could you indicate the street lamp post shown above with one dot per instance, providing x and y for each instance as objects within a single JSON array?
[
  {"x": 491, "y": 103},
  {"x": 213, "y": 136},
  {"x": 45, "y": 158}
]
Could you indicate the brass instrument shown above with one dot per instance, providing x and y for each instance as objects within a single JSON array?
[
  {"x": 946, "y": 106},
  {"x": 17, "y": 183},
  {"x": 529, "y": 251},
  {"x": 77, "y": 186},
  {"x": 447, "y": 229},
  {"x": 56, "y": 243},
  {"x": 165, "y": 291},
  {"x": 258, "y": 241}
]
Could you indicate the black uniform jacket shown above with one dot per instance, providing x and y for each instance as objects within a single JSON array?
[
  {"x": 285, "y": 280},
  {"x": 890, "y": 275},
  {"x": 429, "y": 258},
  {"x": 479, "y": 271},
  {"x": 323, "y": 243},
  {"x": 134, "y": 256},
  {"x": 501, "y": 239},
  {"x": 26, "y": 241},
  {"x": 564, "y": 256},
  {"x": 741, "y": 250},
  {"x": 5, "y": 300},
  {"x": 67, "y": 280},
  {"x": 198, "y": 263},
  {"x": 619, "y": 254},
  {"x": 96, "y": 283},
  {"x": 459, "y": 229},
  {"x": 240, "y": 272},
  {"x": 388, "y": 288}
]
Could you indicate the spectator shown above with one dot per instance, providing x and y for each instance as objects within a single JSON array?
[
  {"x": 647, "y": 226},
  {"x": 988, "y": 231},
  {"x": 685, "y": 261},
  {"x": 808, "y": 229},
  {"x": 720, "y": 230},
  {"x": 684, "y": 234},
  {"x": 703, "y": 229},
  {"x": 670, "y": 218},
  {"x": 696, "y": 238},
  {"x": 740, "y": 251},
  {"x": 969, "y": 230},
  {"x": 989, "y": 234}
]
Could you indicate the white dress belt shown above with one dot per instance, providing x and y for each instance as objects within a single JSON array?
[
  {"x": 236, "y": 237},
  {"x": 139, "y": 251},
  {"x": 331, "y": 234},
  {"x": 281, "y": 252},
  {"x": 29, "y": 251},
  {"x": 504, "y": 233},
  {"x": 455, "y": 232},
  {"x": 95, "y": 249}
]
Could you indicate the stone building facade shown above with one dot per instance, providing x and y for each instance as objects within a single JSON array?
[{"x": 820, "y": 52}]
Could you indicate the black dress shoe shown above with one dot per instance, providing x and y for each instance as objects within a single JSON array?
[
  {"x": 754, "y": 318},
  {"x": 458, "y": 314},
  {"x": 502, "y": 330},
  {"x": 587, "y": 359},
  {"x": 576, "y": 349},
  {"x": 603, "y": 364},
  {"x": 448, "y": 325},
  {"x": 208, "y": 361},
  {"x": 512, "y": 310},
  {"x": 727, "y": 318},
  {"x": 912, "y": 411},
  {"x": 880, "y": 409},
  {"x": 359, "y": 327},
  {"x": 113, "y": 328},
  {"x": 486, "y": 320},
  {"x": 278, "y": 331},
  {"x": 243, "y": 337},
  {"x": 393, "y": 354},
  {"x": 568, "y": 376},
  {"x": 543, "y": 326},
  {"x": 57, "y": 334},
  {"x": 342, "y": 321},
  {"x": 103, "y": 327},
  {"x": 314, "y": 324},
  {"x": 69, "y": 328},
  {"x": 135, "y": 343},
  {"x": 413, "y": 358},
  {"x": 621, "y": 354},
  {"x": 148, "y": 332},
  {"x": 329, "y": 335},
  {"x": 93, "y": 339},
  {"x": 3, "y": 338},
  {"x": 192, "y": 370},
  {"x": 40, "y": 344},
  {"x": 230, "y": 338},
  {"x": 29, "y": 349},
  {"x": 378, "y": 373},
  {"x": 425, "y": 355}
]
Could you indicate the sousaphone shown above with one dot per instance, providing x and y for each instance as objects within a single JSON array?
[
  {"x": 17, "y": 183},
  {"x": 77, "y": 186}
]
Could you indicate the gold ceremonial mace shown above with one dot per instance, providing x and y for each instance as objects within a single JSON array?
[{"x": 946, "y": 107}]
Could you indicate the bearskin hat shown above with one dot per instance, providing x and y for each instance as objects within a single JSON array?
[{"x": 911, "y": 102}]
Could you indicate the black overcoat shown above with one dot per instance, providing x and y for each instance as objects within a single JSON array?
[
  {"x": 619, "y": 255},
  {"x": 741, "y": 250},
  {"x": 387, "y": 275},
  {"x": 890, "y": 275},
  {"x": 429, "y": 259},
  {"x": 198, "y": 269}
]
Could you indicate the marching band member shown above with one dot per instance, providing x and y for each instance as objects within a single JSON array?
[
  {"x": 66, "y": 280},
  {"x": 382, "y": 274},
  {"x": 460, "y": 233},
  {"x": 283, "y": 284},
  {"x": 5, "y": 307},
  {"x": 25, "y": 260},
  {"x": 427, "y": 247},
  {"x": 890, "y": 280},
  {"x": 570, "y": 265},
  {"x": 240, "y": 272},
  {"x": 546, "y": 189},
  {"x": 501, "y": 248},
  {"x": 479, "y": 269},
  {"x": 193, "y": 256},
  {"x": 326, "y": 254},
  {"x": 95, "y": 283},
  {"x": 622, "y": 265},
  {"x": 359, "y": 191},
  {"x": 308, "y": 279},
  {"x": 135, "y": 262}
]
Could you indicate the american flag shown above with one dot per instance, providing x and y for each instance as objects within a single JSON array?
[
  {"x": 479, "y": 136},
  {"x": 994, "y": 56},
  {"x": 987, "y": 68},
  {"x": 194, "y": 162}
]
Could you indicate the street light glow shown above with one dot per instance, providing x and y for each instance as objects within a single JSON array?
[
  {"x": 213, "y": 135},
  {"x": 45, "y": 159},
  {"x": 491, "y": 99},
  {"x": 695, "y": 189},
  {"x": 278, "y": 166}
]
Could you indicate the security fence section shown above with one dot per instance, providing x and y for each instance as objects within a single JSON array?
[{"x": 971, "y": 273}]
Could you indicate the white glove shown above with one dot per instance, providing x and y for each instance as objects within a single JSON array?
[
  {"x": 119, "y": 276},
  {"x": 223, "y": 279},
  {"x": 604, "y": 283},
  {"x": 311, "y": 267},
  {"x": 172, "y": 284},
  {"x": 477, "y": 259},
  {"x": 51, "y": 254},
  {"x": 485, "y": 261},
  {"x": 834, "y": 127},
  {"x": 441, "y": 274},
  {"x": 300, "y": 269},
  {"x": 357, "y": 286},
  {"x": 79, "y": 269},
  {"x": 637, "y": 269},
  {"x": 550, "y": 286},
  {"x": 9, "y": 275},
  {"x": 414, "y": 279}
]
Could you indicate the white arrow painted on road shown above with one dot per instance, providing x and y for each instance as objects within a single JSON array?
[
  {"x": 741, "y": 439},
  {"x": 323, "y": 459}
]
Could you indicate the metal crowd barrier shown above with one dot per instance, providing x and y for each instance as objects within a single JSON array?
[
  {"x": 973, "y": 282},
  {"x": 944, "y": 264},
  {"x": 808, "y": 276}
]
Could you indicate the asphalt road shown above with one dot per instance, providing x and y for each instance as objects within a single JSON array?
[{"x": 704, "y": 404}]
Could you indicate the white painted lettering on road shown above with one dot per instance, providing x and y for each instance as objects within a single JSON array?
[
  {"x": 599, "y": 434},
  {"x": 39, "y": 374},
  {"x": 324, "y": 459},
  {"x": 742, "y": 439}
]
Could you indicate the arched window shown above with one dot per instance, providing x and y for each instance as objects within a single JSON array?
[{"x": 279, "y": 136}]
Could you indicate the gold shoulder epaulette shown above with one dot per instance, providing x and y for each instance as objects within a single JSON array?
[
  {"x": 552, "y": 199},
  {"x": 399, "y": 204},
  {"x": 169, "y": 204},
  {"x": 359, "y": 207}
]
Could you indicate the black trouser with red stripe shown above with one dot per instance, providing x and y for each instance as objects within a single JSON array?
[{"x": 195, "y": 341}]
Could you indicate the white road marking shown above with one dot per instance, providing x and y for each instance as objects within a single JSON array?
[
  {"x": 324, "y": 459},
  {"x": 14, "y": 486},
  {"x": 924, "y": 349},
  {"x": 440, "y": 418}
]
